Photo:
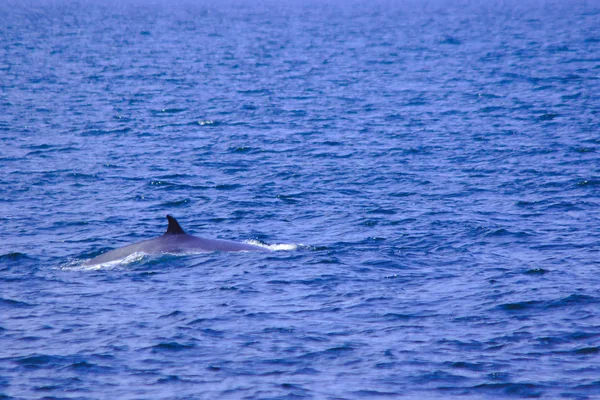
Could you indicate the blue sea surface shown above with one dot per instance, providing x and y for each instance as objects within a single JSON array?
[{"x": 428, "y": 172}]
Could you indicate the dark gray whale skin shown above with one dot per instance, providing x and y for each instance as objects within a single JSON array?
[{"x": 174, "y": 241}]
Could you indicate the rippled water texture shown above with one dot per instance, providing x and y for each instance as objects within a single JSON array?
[{"x": 429, "y": 171}]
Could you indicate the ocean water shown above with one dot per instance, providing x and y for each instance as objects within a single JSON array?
[{"x": 428, "y": 171}]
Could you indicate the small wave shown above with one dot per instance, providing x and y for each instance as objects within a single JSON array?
[
  {"x": 205, "y": 122},
  {"x": 547, "y": 117},
  {"x": 228, "y": 187},
  {"x": 330, "y": 353},
  {"x": 14, "y": 303},
  {"x": 569, "y": 301},
  {"x": 170, "y": 379},
  {"x": 102, "y": 132},
  {"x": 15, "y": 256},
  {"x": 450, "y": 40},
  {"x": 574, "y": 299},
  {"x": 510, "y": 389},
  {"x": 82, "y": 366},
  {"x": 536, "y": 271},
  {"x": 169, "y": 111},
  {"x": 170, "y": 346},
  {"x": 176, "y": 203},
  {"x": 591, "y": 182},
  {"x": 376, "y": 393},
  {"x": 587, "y": 350},
  {"x": 520, "y": 306},
  {"x": 37, "y": 360}
]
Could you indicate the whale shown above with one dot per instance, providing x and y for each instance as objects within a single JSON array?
[{"x": 173, "y": 241}]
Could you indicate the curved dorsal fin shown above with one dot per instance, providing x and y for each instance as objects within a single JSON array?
[{"x": 174, "y": 228}]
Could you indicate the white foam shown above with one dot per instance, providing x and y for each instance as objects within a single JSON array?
[
  {"x": 79, "y": 265},
  {"x": 275, "y": 247}
]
